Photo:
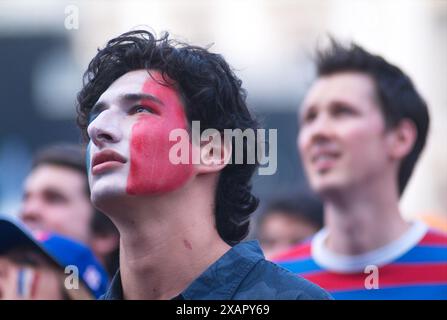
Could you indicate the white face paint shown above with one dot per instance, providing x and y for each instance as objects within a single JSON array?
[{"x": 111, "y": 130}]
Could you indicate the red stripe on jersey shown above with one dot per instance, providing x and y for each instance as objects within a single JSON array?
[
  {"x": 391, "y": 275},
  {"x": 297, "y": 252},
  {"x": 434, "y": 237}
]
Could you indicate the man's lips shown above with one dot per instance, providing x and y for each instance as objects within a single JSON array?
[
  {"x": 323, "y": 160},
  {"x": 105, "y": 160}
]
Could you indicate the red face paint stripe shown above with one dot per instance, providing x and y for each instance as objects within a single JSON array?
[{"x": 150, "y": 168}]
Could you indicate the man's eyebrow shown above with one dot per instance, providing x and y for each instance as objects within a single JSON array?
[
  {"x": 128, "y": 97},
  {"x": 131, "y": 97}
]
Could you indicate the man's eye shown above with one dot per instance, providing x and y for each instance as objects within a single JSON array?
[
  {"x": 308, "y": 117},
  {"x": 142, "y": 109},
  {"x": 91, "y": 117},
  {"x": 94, "y": 112},
  {"x": 54, "y": 198},
  {"x": 343, "y": 110}
]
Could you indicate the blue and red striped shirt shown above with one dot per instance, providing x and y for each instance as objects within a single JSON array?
[{"x": 412, "y": 267}]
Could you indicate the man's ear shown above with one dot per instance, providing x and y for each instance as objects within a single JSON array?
[
  {"x": 215, "y": 152},
  {"x": 402, "y": 139}
]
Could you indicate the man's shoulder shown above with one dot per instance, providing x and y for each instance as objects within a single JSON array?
[{"x": 268, "y": 280}]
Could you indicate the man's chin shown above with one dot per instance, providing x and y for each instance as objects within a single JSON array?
[
  {"x": 103, "y": 198},
  {"x": 326, "y": 185}
]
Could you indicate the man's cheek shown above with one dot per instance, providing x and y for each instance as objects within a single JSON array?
[{"x": 151, "y": 171}]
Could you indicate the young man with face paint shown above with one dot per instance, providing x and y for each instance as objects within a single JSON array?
[
  {"x": 180, "y": 224},
  {"x": 363, "y": 126}
]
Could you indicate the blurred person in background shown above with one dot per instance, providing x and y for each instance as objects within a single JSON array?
[
  {"x": 363, "y": 126},
  {"x": 57, "y": 199},
  {"x": 287, "y": 221},
  {"x": 46, "y": 266}
]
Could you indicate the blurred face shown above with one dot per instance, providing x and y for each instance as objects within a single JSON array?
[
  {"x": 342, "y": 139},
  {"x": 23, "y": 282},
  {"x": 129, "y": 131},
  {"x": 55, "y": 200},
  {"x": 280, "y": 231}
]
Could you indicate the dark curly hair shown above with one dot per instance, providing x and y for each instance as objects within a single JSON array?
[
  {"x": 395, "y": 91},
  {"x": 211, "y": 93}
]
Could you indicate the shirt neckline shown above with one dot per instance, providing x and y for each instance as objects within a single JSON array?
[{"x": 335, "y": 262}]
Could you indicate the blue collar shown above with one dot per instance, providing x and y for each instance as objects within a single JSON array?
[{"x": 221, "y": 280}]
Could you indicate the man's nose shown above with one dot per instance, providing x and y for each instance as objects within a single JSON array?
[
  {"x": 105, "y": 129},
  {"x": 31, "y": 212},
  {"x": 322, "y": 128}
]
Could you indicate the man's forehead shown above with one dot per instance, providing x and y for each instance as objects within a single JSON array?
[
  {"x": 54, "y": 175},
  {"x": 348, "y": 86},
  {"x": 131, "y": 82},
  {"x": 347, "y": 79}
]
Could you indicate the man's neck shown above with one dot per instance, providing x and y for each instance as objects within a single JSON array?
[
  {"x": 363, "y": 219},
  {"x": 167, "y": 244}
]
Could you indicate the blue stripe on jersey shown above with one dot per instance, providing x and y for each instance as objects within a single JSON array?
[
  {"x": 422, "y": 292},
  {"x": 300, "y": 266},
  {"x": 424, "y": 254}
]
